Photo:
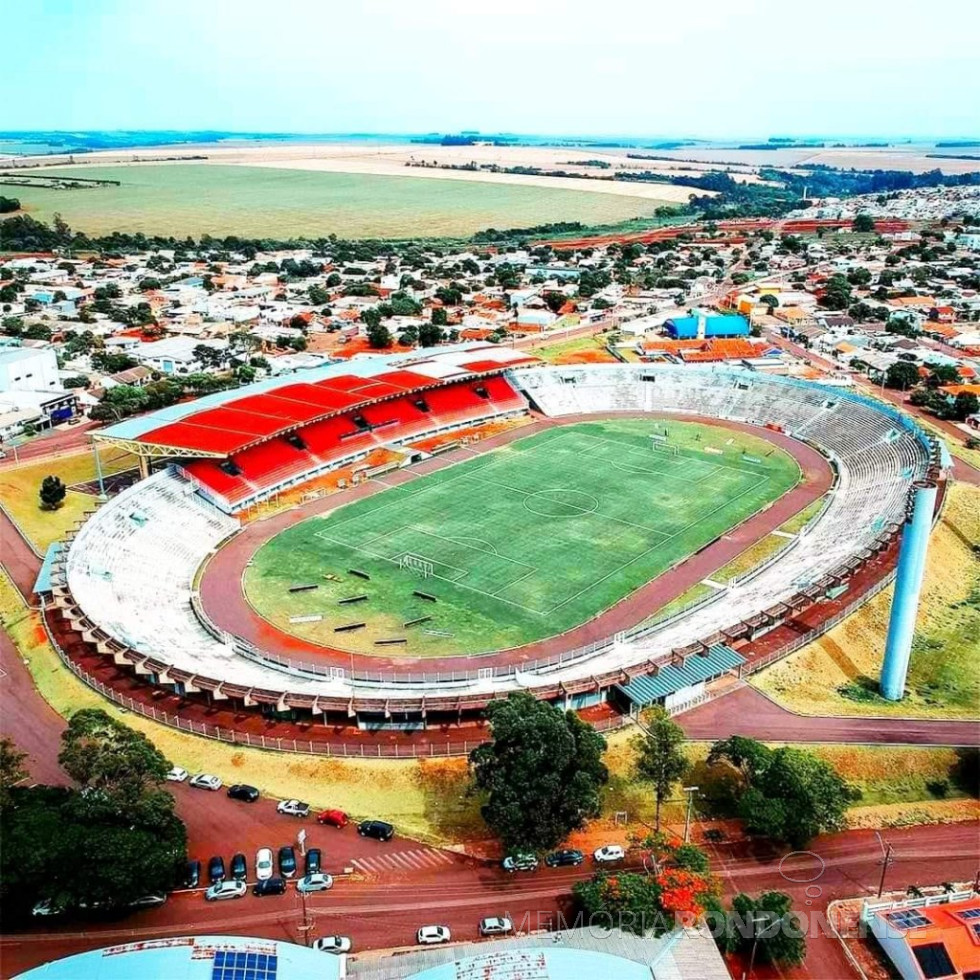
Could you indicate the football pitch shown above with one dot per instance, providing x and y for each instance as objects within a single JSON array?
[{"x": 518, "y": 544}]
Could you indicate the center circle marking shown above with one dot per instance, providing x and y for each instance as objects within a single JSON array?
[{"x": 559, "y": 502}]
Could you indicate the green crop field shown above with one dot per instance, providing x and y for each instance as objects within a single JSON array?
[
  {"x": 197, "y": 199},
  {"x": 518, "y": 544}
]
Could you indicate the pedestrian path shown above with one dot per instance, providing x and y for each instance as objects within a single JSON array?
[{"x": 404, "y": 861}]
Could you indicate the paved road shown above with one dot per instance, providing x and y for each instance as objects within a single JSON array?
[
  {"x": 384, "y": 913},
  {"x": 748, "y": 712},
  {"x": 19, "y": 561}
]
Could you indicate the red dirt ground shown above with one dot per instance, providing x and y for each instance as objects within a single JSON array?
[{"x": 226, "y": 605}]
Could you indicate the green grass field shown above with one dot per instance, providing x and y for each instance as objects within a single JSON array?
[
  {"x": 196, "y": 199},
  {"x": 521, "y": 543}
]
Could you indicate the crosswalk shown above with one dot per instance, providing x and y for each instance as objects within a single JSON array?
[{"x": 405, "y": 861}]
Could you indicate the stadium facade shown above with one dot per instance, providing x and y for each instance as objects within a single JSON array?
[{"x": 124, "y": 587}]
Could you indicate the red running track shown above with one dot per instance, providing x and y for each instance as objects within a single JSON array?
[{"x": 224, "y": 601}]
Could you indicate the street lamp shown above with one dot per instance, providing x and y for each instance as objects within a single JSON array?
[
  {"x": 756, "y": 918},
  {"x": 690, "y": 790}
]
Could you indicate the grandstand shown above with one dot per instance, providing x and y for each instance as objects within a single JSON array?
[{"x": 125, "y": 582}]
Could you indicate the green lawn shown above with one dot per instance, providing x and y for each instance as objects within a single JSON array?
[
  {"x": 521, "y": 543},
  {"x": 196, "y": 199}
]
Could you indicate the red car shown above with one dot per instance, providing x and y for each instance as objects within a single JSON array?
[{"x": 336, "y": 818}]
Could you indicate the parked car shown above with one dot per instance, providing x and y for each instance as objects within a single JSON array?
[
  {"x": 564, "y": 858},
  {"x": 147, "y": 901},
  {"x": 216, "y": 868},
  {"x": 177, "y": 775},
  {"x": 287, "y": 861},
  {"x": 271, "y": 886},
  {"x": 496, "y": 925},
  {"x": 334, "y": 944},
  {"x": 192, "y": 874},
  {"x": 204, "y": 780},
  {"x": 47, "y": 907},
  {"x": 240, "y": 791},
  {"x": 318, "y": 882},
  {"x": 520, "y": 862},
  {"x": 377, "y": 829},
  {"x": 294, "y": 808},
  {"x": 239, "y": 867},
  {"x": 263, "y": 863},
  {"x": 333, "y": 818},
  {"x": 430, "y": 935},
  {"x": 221, "y": 890},
  {"x": 313, "y": 861},
  {"x": 609, "y": 853}
]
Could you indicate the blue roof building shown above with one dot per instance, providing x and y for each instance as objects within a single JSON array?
[{"x": 714, "y": 325}]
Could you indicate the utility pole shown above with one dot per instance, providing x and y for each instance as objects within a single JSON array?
[
  {"x": 756, "y": 918},
  {"x": 885, "y": 862},
  {"x": 690, "y": 790}
]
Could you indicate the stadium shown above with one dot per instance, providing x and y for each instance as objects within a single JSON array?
[{"x": 388, "y": 545}]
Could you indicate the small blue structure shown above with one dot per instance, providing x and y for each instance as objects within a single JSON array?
[
  {"x": 704, "y": 325},
  {"x": 908, "y": 586}
]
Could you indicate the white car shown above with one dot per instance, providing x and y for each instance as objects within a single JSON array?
[
  {"x": 221, "y": 890},
  {"x": 314, "y": 883},
  {"x": 294, "y": 808},
  {"x": 264, "y": 867},
  {"x": 177, "y": 775},
  {"x": 334, "y": 944},
  {"x": 496, "y": 925},
  {"x": 609, "y": 853},
  {"x": 430, "y": 935},
  {"x": 204, "y": 780}
]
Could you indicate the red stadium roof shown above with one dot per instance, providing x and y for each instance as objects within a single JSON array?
[{"x": 242, "y": 422}]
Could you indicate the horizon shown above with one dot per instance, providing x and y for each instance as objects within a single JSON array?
[{"x": 378, "y": 68}]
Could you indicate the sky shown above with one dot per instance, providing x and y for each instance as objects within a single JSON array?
[{"x": 709, "y": 69}]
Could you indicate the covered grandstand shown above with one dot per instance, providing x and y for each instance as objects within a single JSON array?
[
  {"x": 125, "y": 583},
  {"x": 240, "y": 447}
]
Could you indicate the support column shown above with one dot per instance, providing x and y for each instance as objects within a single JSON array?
[
  {"x": 144, "y": 467},
  {"x": 98, "y": 470},
  {"x": 908, "y": 586}
]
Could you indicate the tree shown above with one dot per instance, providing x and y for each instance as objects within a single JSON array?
[
  {"x": 379, "y": 336},
  {"x": 787, "y": 794},
  {"x": 660, "y": 757},
  {"x": 770, "y": 301},
  {"x": 541, "y": 772},
  {"x": 837, "y": 293},
  {"x": 902, "y": 374},
  {"x": 430, "y": 334},
  {"x": 770, "y": 923},
  {"x": 964, "y": 405},
  {"x": 12, "y": 770},
  {"x": 859, "y": 276},
  {"x": 101, "y": 753},
  {"x": 318, "y": 296},
  {"x": 52, "y": 493},
  {"x": 439, "y": 317},
  {"x": 554, "y": 300},
  {"x": 209, "y": 356},
  {"x": 863, "y": 223}
]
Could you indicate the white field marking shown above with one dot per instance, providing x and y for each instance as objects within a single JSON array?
[
  {"x": 591, "y": 513},
  {"x": 632, "y": 561},
  {"x": 715, "y": 585}
]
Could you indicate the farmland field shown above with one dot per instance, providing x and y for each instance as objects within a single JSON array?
[
  {"x": 197, "y": 199},
  {"x": 515, "y": 545}
]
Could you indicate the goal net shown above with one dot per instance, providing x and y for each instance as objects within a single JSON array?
[{"x": 417, "y": 565}]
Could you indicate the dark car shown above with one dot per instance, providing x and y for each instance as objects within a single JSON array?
[
  {"x": 239, "y": 867},
  {"x": 216, "y": 869},
  {"x": 247, "y": 794},
  {"x": 271, "y": 886},
  {"x": 287, "y": 861},
  {"x": 377, "y": 829},
  {"x": 313, "y": 864},
  {"x": 565, "y": 858},
  {"x": 192, "y": 874}
]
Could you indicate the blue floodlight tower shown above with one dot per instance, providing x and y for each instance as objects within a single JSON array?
[{"x": 908, "y": 585}]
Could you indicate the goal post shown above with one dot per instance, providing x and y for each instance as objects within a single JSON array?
[{"x": 417, "y": 565}]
